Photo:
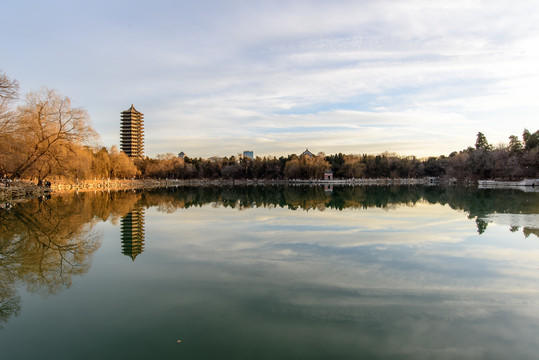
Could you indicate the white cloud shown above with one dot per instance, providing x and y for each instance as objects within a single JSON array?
[{"x": 230, "y": 71}]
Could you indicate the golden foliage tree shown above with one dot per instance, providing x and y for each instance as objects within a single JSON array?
[
  {"x": 121, "y": 164},
  {"x": 306, "y": 167},
  {"x": 45, "y": 133},
  {"x": 352, "y": 166}
]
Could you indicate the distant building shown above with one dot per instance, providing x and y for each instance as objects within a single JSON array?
[
  {"x": 328, "y": 175},
  {"x": 307, "y": 153},
  {"x": 181, "y": 155},
  {"x": 249, "y": 154},
  {"x": 215, "y": 158},
  {"x": 132, "y": 132}
]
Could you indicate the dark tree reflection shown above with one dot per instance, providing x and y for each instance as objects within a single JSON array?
[
  {"x": 477, "y": 204},
  {"x": 9, "y": 306},
  {"x": 45, "y": 243}
]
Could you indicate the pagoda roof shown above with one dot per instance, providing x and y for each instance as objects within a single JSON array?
[
  {"x": 307, "y": 153},
  {"x": 132, "y": 109}
]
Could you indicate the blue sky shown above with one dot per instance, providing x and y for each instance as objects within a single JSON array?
[{"x": 414, "y": 77}]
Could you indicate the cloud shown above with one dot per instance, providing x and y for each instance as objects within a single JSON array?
[{"x": 264, "y": 72}]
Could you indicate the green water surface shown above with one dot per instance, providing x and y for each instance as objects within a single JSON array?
[{"x": 272, "y": 273}]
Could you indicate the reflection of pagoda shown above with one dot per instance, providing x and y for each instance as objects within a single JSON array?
[{"x": 132, "y": 226}]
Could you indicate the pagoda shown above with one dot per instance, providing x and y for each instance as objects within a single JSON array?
[{"x": 132, "y": 132}]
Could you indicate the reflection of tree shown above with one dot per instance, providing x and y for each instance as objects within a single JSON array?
[
  {"x": 43, "y": 244},
  {"x": 132, "y": 226},
  {"x": 9, "y": 306},
  {"x": 528, "y": 231},
  {"x": 50, "y": 243},
  {"x": 476, "y": 203},
  {"x": 481, "y": 225}
]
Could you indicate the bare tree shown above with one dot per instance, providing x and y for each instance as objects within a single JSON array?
[
  {"x": 46, "y": 130},
  {"x": 8, "y": 87},
  {"x": 8, "y": 93}
]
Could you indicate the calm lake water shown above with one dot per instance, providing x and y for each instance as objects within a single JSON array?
[{"x": 272, "y": 273}]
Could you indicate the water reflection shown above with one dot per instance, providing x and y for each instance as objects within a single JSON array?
[
  {"x": 132, "y": 228},
  {"x": 44, "y": 244},
  {"x": 479, "y": 205}
]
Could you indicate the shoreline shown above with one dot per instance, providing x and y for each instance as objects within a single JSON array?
[
  {"x": 157, "y": 183},
  {"x": 21, "y": 190}
]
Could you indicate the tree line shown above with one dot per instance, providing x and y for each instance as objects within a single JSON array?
[
  {"x": 515, "y": 160},
  {"x": 45, "y": 137}
]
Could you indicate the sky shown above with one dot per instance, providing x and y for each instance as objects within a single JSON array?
[{"x": 414, "y": 77}]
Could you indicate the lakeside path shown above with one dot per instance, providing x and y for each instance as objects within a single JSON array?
[
  {"x": 154, "y": 183},
  {"x": 19, "y": 190}
]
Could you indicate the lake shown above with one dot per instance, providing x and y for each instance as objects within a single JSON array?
[{"x": 253, "y": 272}]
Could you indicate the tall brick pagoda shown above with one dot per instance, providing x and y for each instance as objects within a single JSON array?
[{"x": 132, "y": 132}]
